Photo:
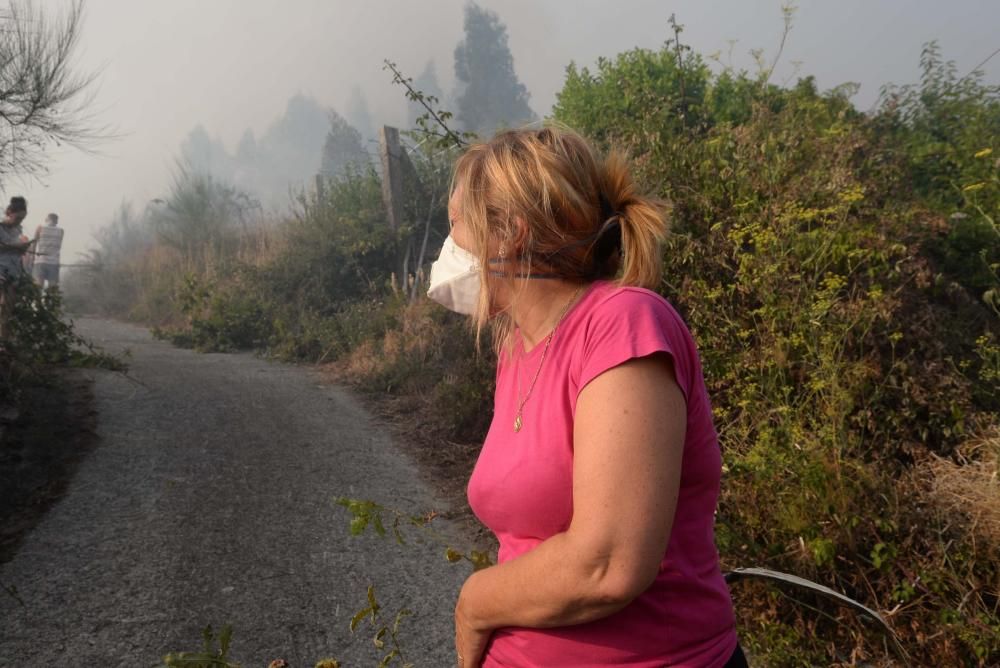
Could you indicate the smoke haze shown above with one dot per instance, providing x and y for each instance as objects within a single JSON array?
[{"x": 229, "y": 66}]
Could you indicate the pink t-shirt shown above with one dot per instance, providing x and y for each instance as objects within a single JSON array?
[{"x": 522, "y": 489}]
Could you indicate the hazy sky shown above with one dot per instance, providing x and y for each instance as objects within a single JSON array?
[{"x": 168, "y": 65}]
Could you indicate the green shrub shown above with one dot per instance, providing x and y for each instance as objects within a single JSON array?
[
  {"x": 833, "y": 355},
  {"x": 948, "y": 128},
  {"x": 220, "y": 318},
  {"x": 38, "y": 333}
]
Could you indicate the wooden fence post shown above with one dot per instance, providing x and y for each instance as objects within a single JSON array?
[
  {"x": 391, "y": 153},
  {"x": 398, "y": 173}
]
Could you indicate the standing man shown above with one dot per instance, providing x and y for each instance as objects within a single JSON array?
[{"x": 48, "y": 240}]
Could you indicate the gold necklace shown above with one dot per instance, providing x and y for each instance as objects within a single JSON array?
[{"x": 518, "y": 420}]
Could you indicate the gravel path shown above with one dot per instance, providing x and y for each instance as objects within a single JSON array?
[{"x": 209, "y": 500}]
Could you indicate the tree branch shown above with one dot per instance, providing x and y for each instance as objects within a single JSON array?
[{"x": 418, "y": 96}]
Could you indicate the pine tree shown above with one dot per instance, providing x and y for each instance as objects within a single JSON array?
[
  {"x": 358, "y": 114},
  {"x": 490, "y": 95},
  {"x": 246, "y": 150},
  {"x": 204, "y": 154},
  {"x": 343, "y": 148}
]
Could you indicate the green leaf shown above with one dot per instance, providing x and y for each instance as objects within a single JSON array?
[
  {"x": 358, "y": 525},
  {"x": 224, "y": 640},
  {"x": 480, "y": 560}
]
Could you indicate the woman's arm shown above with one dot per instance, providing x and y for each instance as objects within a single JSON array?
[{"x": 628, "y": 439}]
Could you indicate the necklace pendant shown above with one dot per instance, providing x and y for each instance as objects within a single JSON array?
[{"x": 517, "y": 423}]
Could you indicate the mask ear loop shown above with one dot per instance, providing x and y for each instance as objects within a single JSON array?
[
  {"x": 600, "y": 245},
  {"x": 505, "y": 274},
  {"x": 502, "y": 259}
]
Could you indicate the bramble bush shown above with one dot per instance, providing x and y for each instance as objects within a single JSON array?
[
  {"x": 838, "y": 340},
  {"x": 39, "y": 338}
]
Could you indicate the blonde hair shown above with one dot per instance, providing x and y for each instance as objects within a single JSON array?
[{"x": 584, "y": 219}]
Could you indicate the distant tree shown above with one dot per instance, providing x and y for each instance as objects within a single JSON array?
[
  {"x": 358, "y": 114},
  {"x": 204, "y": 154},
  {"x": 123, "y": 240},
  {"x": 278, "y": 162},
  {"x": 490, "y": 95},
  {"x": 291, "y": 148},
  {"x": 246, "y": 150},
  {"x": 298, "y": 134},
  {"x": 199, "y": 211},
  {"x": 249, "y": 165},
  {"x": 44, "y": 101},
  {"x": 124, "y": 237},
  {"x": 342, "y": 149},
  {"x": 426, "y": 83}
]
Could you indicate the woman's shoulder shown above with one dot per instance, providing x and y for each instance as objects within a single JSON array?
[
  {"x": 610, "y": 300},
  {"x": 625, "y": 322},
  {"x": 617, "y": 311}
]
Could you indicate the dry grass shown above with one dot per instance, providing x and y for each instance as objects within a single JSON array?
[
  {"x": 261, "y": 245},
  {"x": 970, "y": 484},
  {"x": 362, "y": 362}
]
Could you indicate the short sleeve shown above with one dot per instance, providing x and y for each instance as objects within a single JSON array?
[{"x": 634, "y": 323}]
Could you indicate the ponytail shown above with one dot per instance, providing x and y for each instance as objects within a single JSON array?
[{"x": 643, "y": 226}]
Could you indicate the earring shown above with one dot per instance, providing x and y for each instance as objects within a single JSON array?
[{"x": 503, "y": 252}]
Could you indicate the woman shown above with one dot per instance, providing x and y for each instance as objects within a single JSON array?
[
  {"x": 600, "y": 471},
  {"x": 13, "y": 246}
]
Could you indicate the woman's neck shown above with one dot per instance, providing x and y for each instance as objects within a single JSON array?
[{"x": 539, "y": 306}]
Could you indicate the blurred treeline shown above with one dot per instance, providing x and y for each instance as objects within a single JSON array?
[{"x": 838, "y": 269}]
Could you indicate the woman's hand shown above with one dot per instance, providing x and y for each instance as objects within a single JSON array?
[{"x": 470, "y": 641}]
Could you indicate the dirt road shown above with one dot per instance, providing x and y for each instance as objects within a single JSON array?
[{"x": 208, "y": 499}]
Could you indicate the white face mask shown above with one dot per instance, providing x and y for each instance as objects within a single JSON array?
[{"x": 455, "y": 281}]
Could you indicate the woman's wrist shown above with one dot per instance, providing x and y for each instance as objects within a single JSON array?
[{"x": 469, "y": 603}]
